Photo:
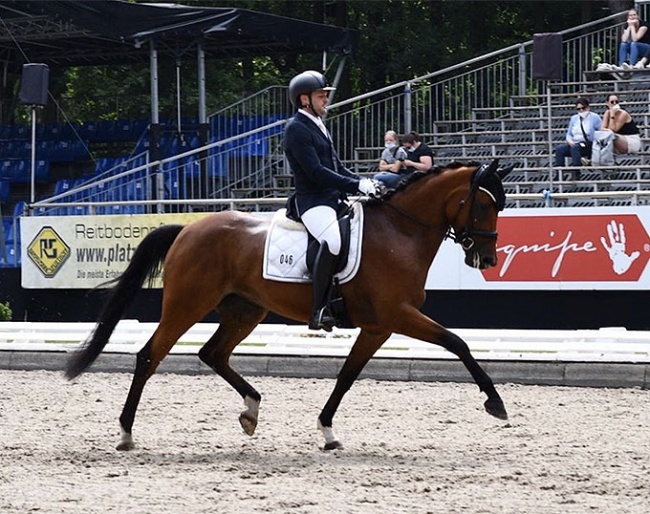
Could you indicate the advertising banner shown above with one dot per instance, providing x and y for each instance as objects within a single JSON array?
[
  {"x": 84, "y": 252},
  {"x": 538, "y": 249},
  {"x": 557, "y": 249}
]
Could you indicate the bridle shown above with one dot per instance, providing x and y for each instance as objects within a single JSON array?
[{"x": 465, "y": 237}]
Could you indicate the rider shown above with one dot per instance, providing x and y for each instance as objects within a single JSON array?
[{"x": 321, "y": 183}]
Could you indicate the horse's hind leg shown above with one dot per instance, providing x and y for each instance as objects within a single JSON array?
[
  {"x": 364, "y": 348},
  {"x": 238, "y": 318},
  {"x": 148, "y": 359}
]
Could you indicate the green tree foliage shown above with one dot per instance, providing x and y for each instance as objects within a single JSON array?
[
  {"x": 5, "y": 311},
  {"x": 399, "y": 40}
]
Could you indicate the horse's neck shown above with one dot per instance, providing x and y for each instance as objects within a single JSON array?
[{"x": 425, "y": 200}]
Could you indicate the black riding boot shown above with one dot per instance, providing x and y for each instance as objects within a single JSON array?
[{"x": 324, "y": 266}]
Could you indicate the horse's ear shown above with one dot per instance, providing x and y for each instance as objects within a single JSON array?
[
  {"x": 494, "y": 165},
  {"x": 503, "y": 172}
]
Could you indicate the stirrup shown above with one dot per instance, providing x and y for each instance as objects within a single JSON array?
[{"x": 322, "y": 319}]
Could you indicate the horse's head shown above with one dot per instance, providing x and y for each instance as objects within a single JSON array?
[{"x": 474, "y": 217}]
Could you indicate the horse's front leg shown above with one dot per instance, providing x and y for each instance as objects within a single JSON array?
[
  {"x": 418, "y": 326},
  {"x": 363, "y": 349}
]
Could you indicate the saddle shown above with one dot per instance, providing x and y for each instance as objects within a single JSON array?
[{"x": 290, "y": 251}]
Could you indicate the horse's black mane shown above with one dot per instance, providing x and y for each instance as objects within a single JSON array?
[{"x": 414, "y": 177}]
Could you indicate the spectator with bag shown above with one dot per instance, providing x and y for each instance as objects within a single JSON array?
[
  {"x": 579, "y": 136},
  {"x": 627, "y": 137}
]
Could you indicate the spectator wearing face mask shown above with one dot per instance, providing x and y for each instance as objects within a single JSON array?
[
  {"x": 579, "y": 135},
  {"x": 391, "y": 162},
  {"x": 619, "y": 121},
  {"x": 419, "y": 157}
]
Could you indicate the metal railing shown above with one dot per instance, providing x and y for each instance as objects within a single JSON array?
[{"x": 248, "y": 163}]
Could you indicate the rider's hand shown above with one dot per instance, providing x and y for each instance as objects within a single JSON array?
[{"x": 370, "y": 187}]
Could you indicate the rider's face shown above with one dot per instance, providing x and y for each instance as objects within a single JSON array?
[{"x": 319, "y": 102}]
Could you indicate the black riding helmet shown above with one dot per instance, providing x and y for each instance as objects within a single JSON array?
[{"x": 305, "y": 84}]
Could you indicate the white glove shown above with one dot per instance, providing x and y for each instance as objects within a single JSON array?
[{"x": 370, "y": 187}]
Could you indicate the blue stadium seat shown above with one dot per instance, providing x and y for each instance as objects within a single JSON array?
[
  {"x": 140, "y": 127},
  {"x": 132, "y": 209},
  {"x": 19, "y": 208},
  {"x": 123, "y": 130},
  {"x": 103, "y": 164},
  {"x": 53, "y": 131},
  {"x": 44, "y": 149},
  {"x": 5, "y": 191},
  {"x": 20, "y": 131},
  {"x": 88, "y": 131},
  {"x": 7, "y": 169},
  {"x": 22, "y": 171},
  {"x": 13, "y": 257},
  {"x": 78, "y": 210},
  {"x": 172, "y": 187},
  {"x": 80, "y": 150},
  {"x": 106, "y": 130},
  {"x": 12, "y": 235},
  {"x": 136, "y": 190},
  {"x": 41, "y": 170},
  {"x": 62, "y": 185},
  {"x": 218, "y": 165},
  {"x": 12, "y": 149},
  {"x": 62, "y": 151}
]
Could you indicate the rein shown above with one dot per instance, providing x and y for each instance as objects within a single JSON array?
[{"x": 466, "y": 236}]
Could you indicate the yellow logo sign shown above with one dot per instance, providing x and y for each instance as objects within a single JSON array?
[{"x": 48, "y": 251}]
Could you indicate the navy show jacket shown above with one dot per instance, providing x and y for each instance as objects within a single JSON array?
[{"x": 320, "y": 178}]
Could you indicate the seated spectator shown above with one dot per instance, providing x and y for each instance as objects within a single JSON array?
[
  {"x": 619, "y": 121},
  {"x": 635, "y": 40},
  {"x": 419, "y": 155},
  {"x": 579, "y": 135},
  {"x": 643, "y": 62},
  {"x": 391, "y": 162}
]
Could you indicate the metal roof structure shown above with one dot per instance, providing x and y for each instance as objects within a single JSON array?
[{"x": 73, "y": 32}]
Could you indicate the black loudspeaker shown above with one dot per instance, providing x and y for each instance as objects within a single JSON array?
[
  {"x": 33, "y": 88},
  {"x": 547, "y": 56}
]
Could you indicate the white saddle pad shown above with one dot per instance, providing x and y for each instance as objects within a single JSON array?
[{"x": 285, "y": 251}]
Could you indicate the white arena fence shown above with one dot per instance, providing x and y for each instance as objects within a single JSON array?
[{"x": 606, "y": 345}]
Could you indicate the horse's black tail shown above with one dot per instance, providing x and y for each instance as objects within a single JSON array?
[{"x": 145, "y": 263}]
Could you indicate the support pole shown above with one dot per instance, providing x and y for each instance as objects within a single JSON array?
[
  {"x": 203, "y": 121},
  {"x": 522, "y": 70},
  {"x": 32, "y": 192},
  {"x": 158, "y": 183},
  {"x": 549, "y": 137},
  {"x": 179, "y": 127},
  {"x": 407, "y": 109}
]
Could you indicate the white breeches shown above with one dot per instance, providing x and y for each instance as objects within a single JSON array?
[{"x": 322, "y": 224}]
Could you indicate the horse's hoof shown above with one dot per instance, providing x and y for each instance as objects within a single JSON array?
[
  {"x": 125, "y": 446},
  {"x": 333, "y": 445},
  {"x": 496, "y": 408},
  {"x": 248, "y": 423}
]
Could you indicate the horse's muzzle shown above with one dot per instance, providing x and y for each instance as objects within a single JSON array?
[{"x": 480, "y": 260}]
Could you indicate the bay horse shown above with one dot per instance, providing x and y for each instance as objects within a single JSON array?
[{"x": 215, "y": 263}]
